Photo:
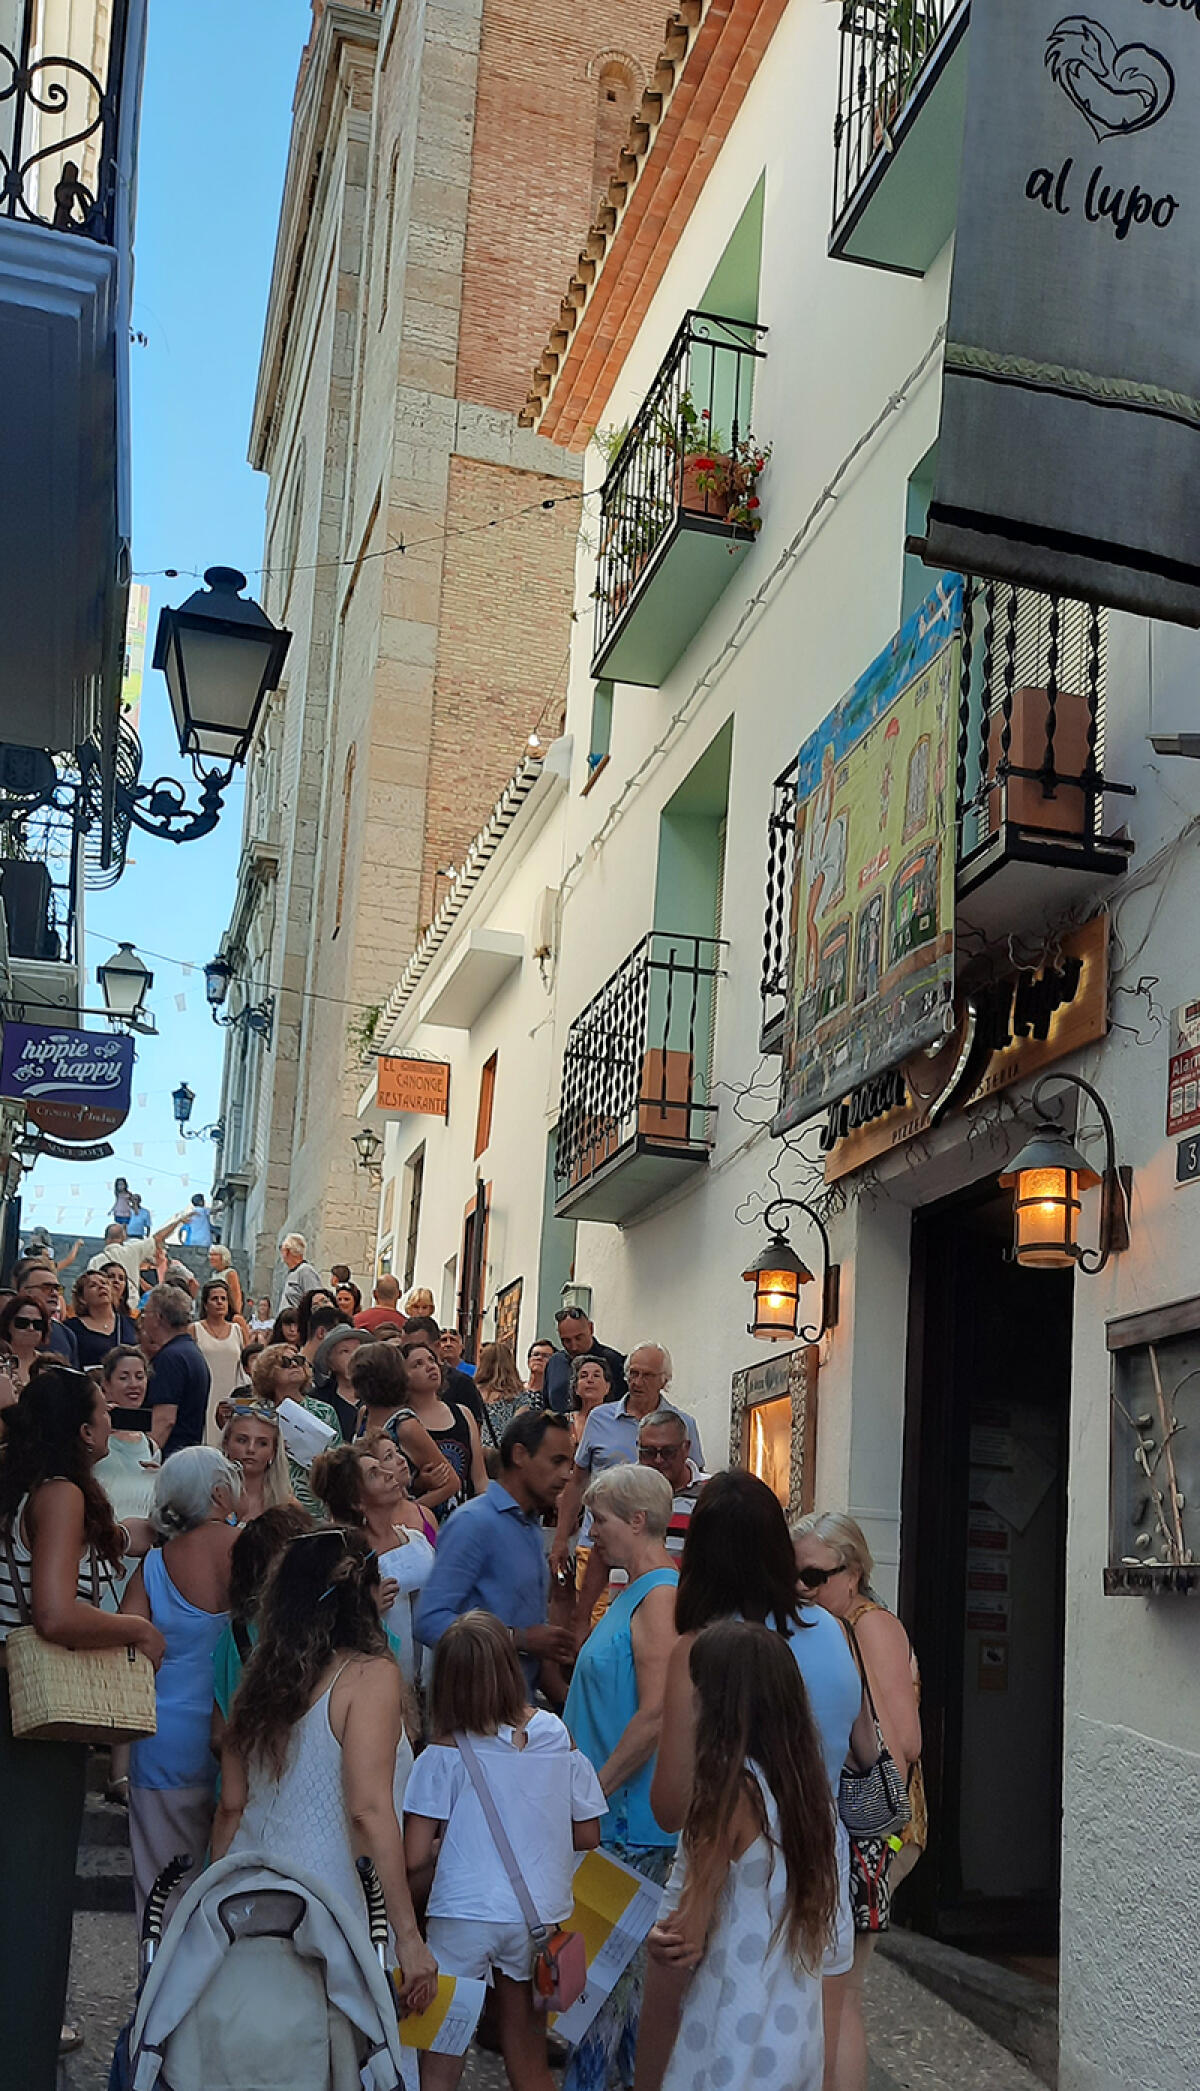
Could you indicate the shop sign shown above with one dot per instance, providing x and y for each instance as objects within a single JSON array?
[
  {"x": 1005, "y": 1031},
  {"x": 410, "y": 1085},
  {"x": 1183, "y": 1081},
  {"x": 73, "y": 1084},
  {"x": 871, "y": 974},
  {"x": 1070, "y": 415},
  {"x": 60, "y": 1151}
]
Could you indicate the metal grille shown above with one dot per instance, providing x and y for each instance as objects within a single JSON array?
[
  {"x": 884, "y": 44},
  {"x": 1031, "y": 718},
  {"x": 636, "y": 1059},
  {"x": 781, "y": 843},
  {"x": 697, "y": 409},
  {"x": 58, "y": 120}
]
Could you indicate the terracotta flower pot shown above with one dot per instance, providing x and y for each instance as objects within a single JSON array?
[{"x": 704, "y": 484}]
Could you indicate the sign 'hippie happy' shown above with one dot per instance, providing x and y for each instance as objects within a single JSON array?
[
  {"x": 1072, "y": 370},
  {"x": 74, "y": 1085}
]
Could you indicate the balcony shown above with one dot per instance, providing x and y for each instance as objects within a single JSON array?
[
  {"x": 635, "y": 1113},
  {"x": 67, "y": 140},
  {"x": 678, "y": 510},
  {"x": 897, "y": 134},
  {"x": 1034, "y": 834}
]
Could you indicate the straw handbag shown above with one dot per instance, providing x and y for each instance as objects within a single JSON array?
[{"x": 103, "y": 1695}]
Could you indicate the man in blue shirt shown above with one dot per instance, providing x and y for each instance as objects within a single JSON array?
[
  {"x": 490, "y": 1555},
  {"x": 197, "y": 1229},
  {"x": 179, "y": 1376}
]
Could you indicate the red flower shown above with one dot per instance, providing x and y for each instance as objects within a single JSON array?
[
  {"x": 754, "y": 502},
  {"x": 704, "y": 464},
  {"x": 704, "y": 414}
]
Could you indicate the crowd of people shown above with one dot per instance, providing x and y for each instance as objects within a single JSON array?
[{"x": 389, "y": 1591}]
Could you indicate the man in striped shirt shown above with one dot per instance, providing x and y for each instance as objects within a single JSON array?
[{"x": 663, "y": 1442}]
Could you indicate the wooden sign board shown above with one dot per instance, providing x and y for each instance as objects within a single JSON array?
[
  {"x": 418, "y": 1086},
  {"x": 1074, "y": 1023}
]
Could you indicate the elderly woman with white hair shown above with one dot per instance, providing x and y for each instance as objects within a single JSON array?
[
  {"x": 183, "y": 1588},
  {"x": 614, "y": 1712}
]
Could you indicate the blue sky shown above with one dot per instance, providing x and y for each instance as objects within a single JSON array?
[{"x": 215, "y": 124}]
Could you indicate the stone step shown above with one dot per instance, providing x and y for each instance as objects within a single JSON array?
[
  {"x": 103, "y": 1867},
  {"x": 1019, "y": 2013}
]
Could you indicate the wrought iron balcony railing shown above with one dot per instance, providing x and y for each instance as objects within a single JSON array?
[
  {"x": 1030, "y": 778},
  {"x": 1030, "y": 775},
  {"x": 681, "y": 462},
  {"x": 637, "y": 1063},
  {"x": 58, "y": 131},
  {"x": 781, "y": 843},
  {"x": 884, "y": 46}
]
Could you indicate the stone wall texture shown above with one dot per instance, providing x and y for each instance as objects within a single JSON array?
[{"x": 1132, "y": 1831}]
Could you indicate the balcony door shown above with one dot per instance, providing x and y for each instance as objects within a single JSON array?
[{"x": 688, "y": 902}]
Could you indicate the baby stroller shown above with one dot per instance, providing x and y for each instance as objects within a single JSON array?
[{"x": 263, "y": 1981}]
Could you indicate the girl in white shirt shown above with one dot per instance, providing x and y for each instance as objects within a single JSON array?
[{"x": 550, "y": 1802}]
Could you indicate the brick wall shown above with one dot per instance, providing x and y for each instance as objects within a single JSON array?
[
  {"x": 532, "y": 175},
  {"x": 504, "y": 628}
]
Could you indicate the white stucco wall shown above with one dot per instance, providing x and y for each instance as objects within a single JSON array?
[{"x": 841, "y": 341}]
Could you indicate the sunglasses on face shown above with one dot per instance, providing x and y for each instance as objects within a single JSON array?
[
  {"x": 658, "y": 1452},
  {"x": 816, "y": 1578},
  {"x": 26, "y": 1323}
]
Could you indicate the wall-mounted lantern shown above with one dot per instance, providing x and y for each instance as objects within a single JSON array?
[
  {"x": 778, "y": 1276},
  {"x": 1047, "y": 1179}
]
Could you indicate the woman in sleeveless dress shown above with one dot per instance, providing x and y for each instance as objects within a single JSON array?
[
  {"x": 316, "y": 1753},
  {"x": 752, "y": 1899},
  {"x": 454, "y": 1432},
  {"x": 184, "y": 1589},
  {"x": 222, "y": 1336},
  {"x": 835, "y": 1565},
  {"x": 614, "y": 1711},
  {"x": 56, "y": 1528},
  {"x": 738, "y": 1565}
]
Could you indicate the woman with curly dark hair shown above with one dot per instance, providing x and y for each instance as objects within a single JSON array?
[
  {"x": 56, "y": 1528},
  {"x": 755, "y": 1885},
  {"x": 316, "y": 1754}
]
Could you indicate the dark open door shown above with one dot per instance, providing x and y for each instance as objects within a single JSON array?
[
  {"x": 472, "y": 1265},
  {"x": 982, "y": 1579}
]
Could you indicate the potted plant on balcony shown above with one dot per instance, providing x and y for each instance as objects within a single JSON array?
[
  {"x": 728, "y": 482},
  {"x": 905, "y": 32}
]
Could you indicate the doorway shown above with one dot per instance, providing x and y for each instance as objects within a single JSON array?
[{"x": 983, "y": 1575}]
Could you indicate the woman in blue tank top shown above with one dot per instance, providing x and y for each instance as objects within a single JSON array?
[
  {"x": 184, "y": 1589},
  {"x": 614, "y": 1711},
  {"x": 738, "y": 1563}
]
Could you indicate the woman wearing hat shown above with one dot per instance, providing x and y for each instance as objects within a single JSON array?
[{"x": 331, "y": 1373}]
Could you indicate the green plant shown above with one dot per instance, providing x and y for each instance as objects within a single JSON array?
[
  {"x": 360, "y": 1031},
  {"x": 732, "y": 477}
]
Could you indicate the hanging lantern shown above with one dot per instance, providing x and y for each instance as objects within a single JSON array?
[
  {"x": 1047, "y": 1178},
  {"x": 777, "y": 1275}
]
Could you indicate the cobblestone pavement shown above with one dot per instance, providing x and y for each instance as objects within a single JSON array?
[{"x": 917, "y": 2042}]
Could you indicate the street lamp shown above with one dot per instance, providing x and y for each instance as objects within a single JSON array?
[
  {"x": 124, "y": 982},
  {"x": 1046, "y": 1179},
  {"x": 182, "y": 1100},
  {"x": 253, "y": 1016},
  {"x": 220, "y": 654},
  {"x": 217, "y": 975},
  {"x": 777, "y": 1275},
  {"x": 368, "y": 1146}
]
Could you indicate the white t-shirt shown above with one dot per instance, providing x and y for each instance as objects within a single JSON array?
[{"x": 541, "y": 1791}]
